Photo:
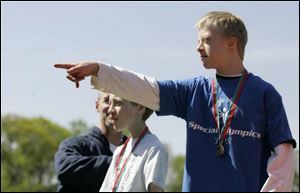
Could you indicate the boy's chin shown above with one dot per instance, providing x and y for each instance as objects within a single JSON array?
[{"x": 206, "y": 65}]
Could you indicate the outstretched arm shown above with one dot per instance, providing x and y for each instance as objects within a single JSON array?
[{"x": 127, "y": 84}]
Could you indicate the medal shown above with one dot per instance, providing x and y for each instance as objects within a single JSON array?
[
  {"x": 223, "y": 130},
  {"x": 220, "y": 150}
]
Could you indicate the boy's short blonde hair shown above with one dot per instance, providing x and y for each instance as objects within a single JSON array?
[{"x": 227, "y": 24}]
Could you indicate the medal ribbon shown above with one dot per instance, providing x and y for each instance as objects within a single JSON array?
[
  {"x": 232, "y": 108},
  {"x": 118, "y": 175}
]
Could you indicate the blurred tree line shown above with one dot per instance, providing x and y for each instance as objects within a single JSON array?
[
  {"x": 28, "y": 146},
  {"x": 27, "y": 150}
]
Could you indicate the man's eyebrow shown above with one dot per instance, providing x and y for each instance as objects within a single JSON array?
[
  {"x": 117, "y": 99},
  {"x": 105, "y": 99}
]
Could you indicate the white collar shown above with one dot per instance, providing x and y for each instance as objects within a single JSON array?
[{"x": 230, "y": 76}]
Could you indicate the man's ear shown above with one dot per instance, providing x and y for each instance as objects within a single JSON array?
[{"x": 97, "y": 106}]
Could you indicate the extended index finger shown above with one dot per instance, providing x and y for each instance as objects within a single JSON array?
[{"x": 64, "y": 66}]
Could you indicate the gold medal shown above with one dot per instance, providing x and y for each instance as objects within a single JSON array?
[{"x": 220, "y": 150}]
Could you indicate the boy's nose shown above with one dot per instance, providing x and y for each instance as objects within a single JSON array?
[
  {"x": 199, "y": 47},
  {"x": 110, "y": 109},
  {"x": 105, "y": 108}
]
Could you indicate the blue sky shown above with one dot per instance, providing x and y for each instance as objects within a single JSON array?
[{"x": 154, "y": 38}]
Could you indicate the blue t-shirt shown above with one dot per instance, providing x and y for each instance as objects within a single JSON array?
[{"x": 259, "y": 124}]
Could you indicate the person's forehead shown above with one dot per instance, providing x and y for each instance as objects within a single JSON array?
[
  {"x": 114, "y": 97},
  {"x": 210, "y": 33},
  {"x": 205, "y": 32}
]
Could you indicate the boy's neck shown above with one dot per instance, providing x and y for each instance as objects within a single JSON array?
[
  {"x": 115, "y": 138},
  {"x": 232, "y": 69},
  {"x": 137, "y": 129},
  {"x": 111, "y": 135}
]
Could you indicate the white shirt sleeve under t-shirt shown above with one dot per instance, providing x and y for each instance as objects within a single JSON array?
[{"x": 116, "y": 80}]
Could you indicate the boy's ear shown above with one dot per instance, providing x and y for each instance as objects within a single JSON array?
[
  {"x": 141, "y": 109},
  {"x": 97, "y": 105},
  {"x": 232, "y": 42}
]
